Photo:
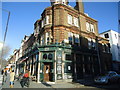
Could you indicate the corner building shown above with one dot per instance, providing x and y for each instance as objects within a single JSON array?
[{"x": 65, "y": 45}]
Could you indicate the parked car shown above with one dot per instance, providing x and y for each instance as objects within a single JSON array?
[{"x": 109, "y": 77}]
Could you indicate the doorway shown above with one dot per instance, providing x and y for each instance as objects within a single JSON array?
[{"x": 46, "y": 71}]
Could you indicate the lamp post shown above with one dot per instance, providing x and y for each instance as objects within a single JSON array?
[
  {"x": 98, "y": 53},
  {"x": 5, "y": 34}
]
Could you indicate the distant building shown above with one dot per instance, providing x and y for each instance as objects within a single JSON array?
[{"x": 114, "y": 39}]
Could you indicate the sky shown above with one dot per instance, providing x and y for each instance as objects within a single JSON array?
[{"x": 24, "y": 14}]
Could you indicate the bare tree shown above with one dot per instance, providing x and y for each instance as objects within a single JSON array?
[{"x": 3, "y": 54}]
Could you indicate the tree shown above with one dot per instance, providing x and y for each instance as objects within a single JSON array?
[{"x": 4, "y": 51}]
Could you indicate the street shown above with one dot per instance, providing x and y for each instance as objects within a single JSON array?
[{"x": 88, "y": 84}]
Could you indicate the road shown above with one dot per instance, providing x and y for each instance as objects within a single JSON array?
[{"x": 81, "y": 84}]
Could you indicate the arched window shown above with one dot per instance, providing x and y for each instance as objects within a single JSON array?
[
  {"x": 50, "y": 56},
  {"x": 45, "y": 56}
]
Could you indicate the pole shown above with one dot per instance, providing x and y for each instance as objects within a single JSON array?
[
  {"x": 5, "y": 34},
  {"x": 98, "y": 53}
]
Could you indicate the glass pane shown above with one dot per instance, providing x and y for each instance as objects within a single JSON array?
[
  {"x": 45, "y": 56},
  {"x": 50, "y": 56}
]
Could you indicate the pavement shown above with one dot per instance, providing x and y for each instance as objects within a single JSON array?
[
  {"x": 1, "y": 78},
  {"x": 34, "y": 84},
  {"x": 80, "y": 84}
]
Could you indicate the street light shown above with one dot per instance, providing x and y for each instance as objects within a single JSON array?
[
  {"x": 98, "y": 53},
  {"x": 5, "y": 33}
]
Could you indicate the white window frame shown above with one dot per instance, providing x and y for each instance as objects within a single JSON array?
[
  {"x": 92, "y": 28},
  {"x": 47, "y": 19},
  {"x": 88, "y": 26},
  {"x": 42, "y": 40},
  {"x": 76, "y": 22},
  {"x": 69, "y": 19}
]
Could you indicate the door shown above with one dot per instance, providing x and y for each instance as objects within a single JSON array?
[{"x": 46, "y": 72}]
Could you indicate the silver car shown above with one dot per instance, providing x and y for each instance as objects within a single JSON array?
[{"x": 110, "y": 77}]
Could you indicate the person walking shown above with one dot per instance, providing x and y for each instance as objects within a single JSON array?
[{"x": 12, "y": 75}]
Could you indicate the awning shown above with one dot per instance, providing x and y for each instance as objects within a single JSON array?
[{"x": 24, "y": 60}]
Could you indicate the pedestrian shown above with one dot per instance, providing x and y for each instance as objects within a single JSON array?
[
  {"x": 25, "y": 79},
  {"x": 12, "y": 75},
  {"x": 2, "y": 72},
  {"x": 5, "y": 75}
]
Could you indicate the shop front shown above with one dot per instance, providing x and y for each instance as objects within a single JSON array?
[{"x": 54, "y": 66}]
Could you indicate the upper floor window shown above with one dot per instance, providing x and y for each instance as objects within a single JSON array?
[
  {"x": 45, "y": 21},
  {"x": 47, "y": 38},
  {"x": 90, "y": 27},
  {"x": 87, "y": 26},
  {"x": 115, "y": 36},
  {"x": 106, "y": 35},
  {"x": 76, "y": 22},
  {"x": 42, "y": 39},
  {"x": 69, "y": 19}
]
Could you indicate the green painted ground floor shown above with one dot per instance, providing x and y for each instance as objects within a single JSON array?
[{"x": 60, "y": 63}]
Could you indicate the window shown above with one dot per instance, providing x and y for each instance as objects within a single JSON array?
[
  {"x": 87, "y": 26},
  {"x": 108, "y": 47},
  {"x": 115, "y": 36},
  {"x": 47, "y": 19},
  {"x": 76, "y": 21},
  {"x": 89, "y": 43},
  {"x": 70, "y": 37},
  {"x": 103, "y": 47},
  {"x": 50, "y": 56},
  {"x": 93, "y": 44},
  {"x": 45, "y": 56},
  {"x": 106, "y": 35},
  {"x": 47, "y": 38},
  {"x": 68, "y": 57},
  {"x": 42, "y": 39},
  {"x": 68, "y": 67},
  {"x": 76, "y": 39},
  {"x": 92, "y": 27},
  {"x": 69, "y": 19}
]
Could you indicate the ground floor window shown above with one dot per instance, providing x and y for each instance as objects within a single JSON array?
[{"x": 68, "y": 67}]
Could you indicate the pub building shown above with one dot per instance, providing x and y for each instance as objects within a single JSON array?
[{"x": 65, "y": 45}]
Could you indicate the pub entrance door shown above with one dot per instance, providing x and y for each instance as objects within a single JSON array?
[{"x": 46, "y": 72}]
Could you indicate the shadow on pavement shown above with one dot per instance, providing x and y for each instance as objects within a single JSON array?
[
  {"x": 46, "y": 84},
  {"x": 90, "y": 83}
]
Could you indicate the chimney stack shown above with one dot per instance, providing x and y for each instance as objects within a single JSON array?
[{"x": 79, "y": 6}]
